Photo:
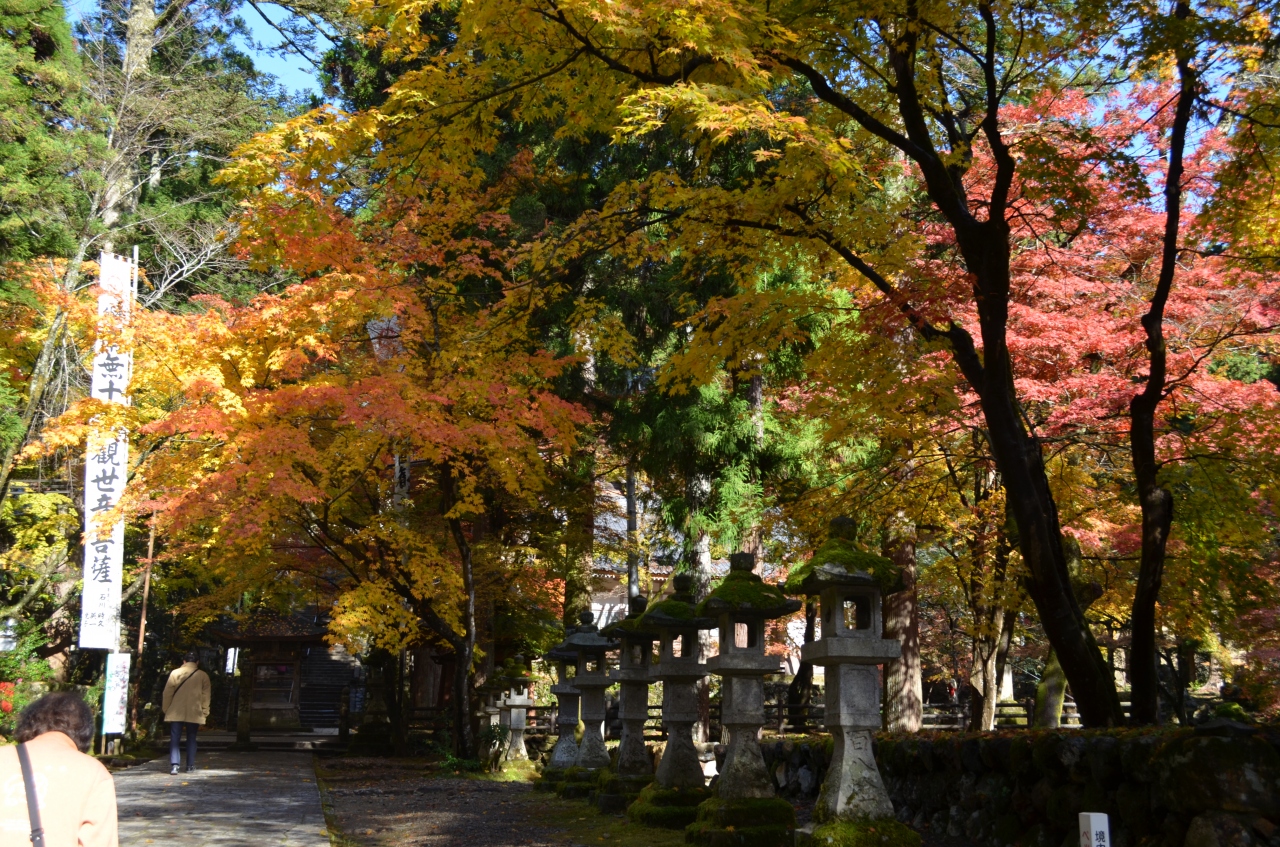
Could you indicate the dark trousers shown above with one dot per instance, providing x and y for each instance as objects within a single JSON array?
[{"x": 175, "y": 735}]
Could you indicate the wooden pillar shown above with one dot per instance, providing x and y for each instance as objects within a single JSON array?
[{"x": 244, "y": 716}]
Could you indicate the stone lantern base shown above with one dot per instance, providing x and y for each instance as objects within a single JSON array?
[
  {"x": 618, "y": 791},
  {"x": 548, "y": 779},
  {"x": 577, "y": 783},
  {"x": 667, "y": 808},
  {"x": 765, "y": 822}
]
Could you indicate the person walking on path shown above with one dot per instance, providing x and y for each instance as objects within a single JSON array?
[
  {"x": 186, "y": 704},
  {"x": 74, "y": 795}
]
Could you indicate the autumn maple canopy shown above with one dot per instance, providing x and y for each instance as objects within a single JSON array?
[{"x": 997, "y": 281}]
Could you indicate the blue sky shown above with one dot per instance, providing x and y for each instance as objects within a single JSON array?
[{"x": 293, "y": 72}]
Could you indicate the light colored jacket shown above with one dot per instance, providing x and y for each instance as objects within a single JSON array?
[
  {"x": 187, "y": 703},
  {"x": 75, "y": 794}
]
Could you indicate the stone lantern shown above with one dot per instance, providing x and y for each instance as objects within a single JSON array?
[
  {"x": 591, "y": 679},
  {"x": 635, "y": 765},
  {"x": 744, "y": 791},
  {"x": 565, "y": 753},
  {"x": 517, "y": 701},
  {"x": 849, "y": 583},
  {"x": 679, "y": 784}
]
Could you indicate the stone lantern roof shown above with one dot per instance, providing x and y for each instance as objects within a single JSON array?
[
  {"x": 513, "y": 671},
  {"x": 677, "y": 612},
  {"x": 630, "y": 626},
  {"x": 840, "y": 563},
  {"x": 744, "y": 594},
  {"x": 585, "y": 637}
]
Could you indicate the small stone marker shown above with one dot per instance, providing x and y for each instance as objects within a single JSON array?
[{"x": 1095, "y": 831}]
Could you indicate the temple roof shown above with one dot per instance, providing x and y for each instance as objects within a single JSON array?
[{"x": 270, "y": 625}]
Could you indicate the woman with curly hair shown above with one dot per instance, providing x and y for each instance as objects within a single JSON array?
[{"x": 75, "y": 795}]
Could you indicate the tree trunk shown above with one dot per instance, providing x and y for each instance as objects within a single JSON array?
[
  {"x": 1050, "y": 693},
  {"x": 904, "y": 697},
  {"x": 120, "y": 175},
  {"x": 1006, "y": 643},
  {"x": 701, "y": 568},
  {"x": 800, "y": 689},
  {"x": 37, "y": 385},
  {"x": 464, "y": 648},
  {"x": 244, "y": 710},
  {"x": 752, "y": 540},
  {"x": 1155, "y": 500},
  {"x": 984, "y": 685},
  {"x": 633, "y": 535},
  {"x": 1019, "y": 458}
]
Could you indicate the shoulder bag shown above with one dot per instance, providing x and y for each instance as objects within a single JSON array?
[
  {"x": 33, "y": 806},
  {"x": 184, "y": 682}
]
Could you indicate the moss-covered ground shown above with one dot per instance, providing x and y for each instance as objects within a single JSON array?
[
  {"x": 863, "y": 833},
  {"x": 743, "y": 823}
]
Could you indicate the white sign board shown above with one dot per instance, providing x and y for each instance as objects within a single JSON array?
[
  {"x": 1095, "y": 830},
  {"x": 115, "y": 699},
  {"x": 106, "y": 468}
]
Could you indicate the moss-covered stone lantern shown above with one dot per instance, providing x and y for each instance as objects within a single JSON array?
[
  {"x": 635, "y": 766},
  {"x": 849, "y": 583},
  {"x": 565, "y": 753},
  {"x": 679, "y": 784},
  {"x": 517, "y": 700},
  {"x": 745, "y": 802},
  {"x": 591, "y": 679}
]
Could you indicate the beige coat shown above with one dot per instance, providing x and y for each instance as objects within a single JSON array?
[
  {"x": 74, "y": 792},
  {"x": 191, "y": 704}
]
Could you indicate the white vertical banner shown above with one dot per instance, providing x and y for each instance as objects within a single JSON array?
[
  {"x": 106, "y": 466},
  {"x": 115, "y": 696}
]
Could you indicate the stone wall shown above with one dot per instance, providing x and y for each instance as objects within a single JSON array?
[{"x": 1213, "y": 786}]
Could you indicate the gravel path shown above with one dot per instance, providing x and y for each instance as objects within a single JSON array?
[{"x": 233, "y": 800}]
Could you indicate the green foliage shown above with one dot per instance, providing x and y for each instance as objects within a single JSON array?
[
  {"x": 11, "y": 429},
  {"x": 44, "y": 131},
  {"x": 1232, "y": 711},
  {"x": 23, "y": 663}
]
